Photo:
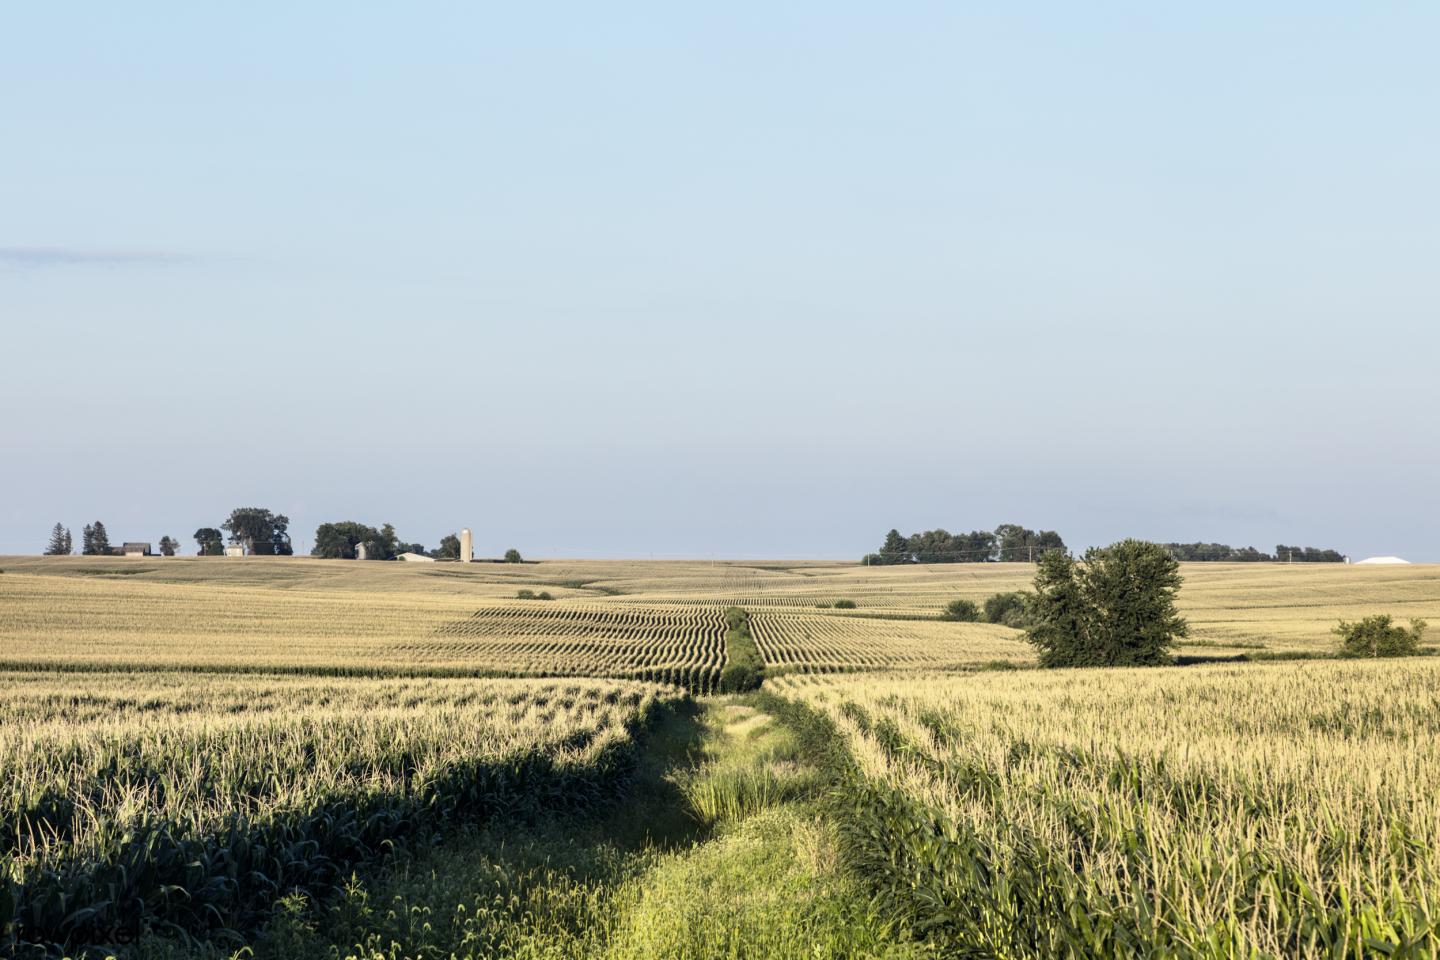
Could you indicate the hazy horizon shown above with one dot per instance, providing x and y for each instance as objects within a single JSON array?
[{"x": 737, "y": 283}]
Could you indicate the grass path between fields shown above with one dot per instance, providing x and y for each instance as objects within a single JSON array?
[{"x": 722, "y": 851}]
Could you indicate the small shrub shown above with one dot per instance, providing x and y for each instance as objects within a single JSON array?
[
  {"x": 513, "y": 556},
  {"x": 525, "y": 595},
  {"x": 740, "y": 676},
  {"x": 1009, "y": 609},
  {"x": 544, "y": 595},
  {"x": 844, "y": 604},
  {"x": 818, "y": 606},
  {"x": 963, "y": 610},
  {"x": 1378, "y": 636}
]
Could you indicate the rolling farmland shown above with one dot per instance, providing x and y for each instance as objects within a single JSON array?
[
  {"x": 614, "y": 618},
  {"x": 300, "y": 614},
  {"x": 234, "y": 728}
]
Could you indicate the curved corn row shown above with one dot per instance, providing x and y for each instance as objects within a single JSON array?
[
  {"x": 685, "y": 644},
  {"x": 679, "y": 645},
  {"x": 820, "y": 643}
]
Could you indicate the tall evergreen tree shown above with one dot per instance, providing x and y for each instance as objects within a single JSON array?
[
  {"x": 57, "y": 546},
  {"x": 69, "y": 543},
  {"x": 99, "y": 539},
  {"x": 896, "y": 548},
  {"x": 87, "y": 544}
]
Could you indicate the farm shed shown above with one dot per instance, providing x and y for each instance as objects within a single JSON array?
[
  {"x": 1375, "y": 561},
  {"x": 235, "y": 550},
  {"x": 135, "y": 549},
  {"x": 416, "y": 558}
]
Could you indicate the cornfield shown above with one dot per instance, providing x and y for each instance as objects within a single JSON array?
[
  {"x": 182, "y": 741},
  {"x": 217, "y": 613},
  {"x": 811, "y": 643},
  {"x": 684, "y": 645},
  {"x": 1277, "y": 810},
  {"x": 162, "y": 800}
]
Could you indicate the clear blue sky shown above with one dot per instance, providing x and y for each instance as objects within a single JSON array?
[{"x": 752, "y": 280}]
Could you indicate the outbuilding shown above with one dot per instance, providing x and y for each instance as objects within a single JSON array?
[
  {"x": 416, "y": 558},
  {"x": 136, "y": 549},
  {"x": 1377, "y": 561}
]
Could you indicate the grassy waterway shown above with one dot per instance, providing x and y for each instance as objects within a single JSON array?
[{"x": 720, "y": 852}]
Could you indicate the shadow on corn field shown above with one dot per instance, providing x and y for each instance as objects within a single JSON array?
[{"x": 719, "y": 849}]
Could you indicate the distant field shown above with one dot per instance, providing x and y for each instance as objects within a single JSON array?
[{"x": 629, "y": 619}]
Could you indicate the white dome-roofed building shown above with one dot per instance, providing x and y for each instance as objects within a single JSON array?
[{"x": 1377, "y": 561}]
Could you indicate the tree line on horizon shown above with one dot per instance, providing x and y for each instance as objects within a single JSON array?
[
  {"x": 258, "y": 529},
  {"x": 95, "y": 542},
  {"x": 263, "y": 532},
  {"x": 1224, "y": 553},
  {"x": 1007, "y": 543},
  {"x": 342, "y": 540}
]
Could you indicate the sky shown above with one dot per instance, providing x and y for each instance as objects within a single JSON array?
[{"x": 745, "y": 280}]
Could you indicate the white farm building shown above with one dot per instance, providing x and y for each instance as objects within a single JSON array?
[{"x": 1382, "y": 560}]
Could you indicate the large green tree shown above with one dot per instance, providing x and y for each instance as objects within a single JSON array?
[
  {"x": 1115, "y": 607},
  {"x": 389, "y": 543},
  {"x": 211, "y": 541},
  {"x": 341, "y": 540},
  {"x": 261, "y": 531},
  {"x": 449, "y": 548},
  {"x": 895, "y": 549}
]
